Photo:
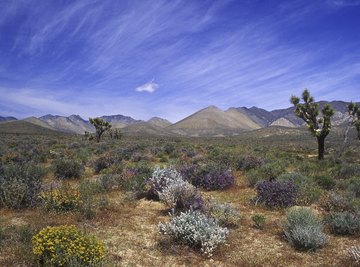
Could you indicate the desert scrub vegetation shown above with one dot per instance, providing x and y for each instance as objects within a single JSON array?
[
  {"x": 114, "y": 199},
  {"x": 196, "y": 230},
  {"x": 68, "y": 169},
  {"x": 66, "y": 245},
  {"x": 20, "y": 185},
  {"x": 303, "y": 229}
]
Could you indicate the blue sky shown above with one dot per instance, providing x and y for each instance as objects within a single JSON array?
[{"x": 169, "y": 58}]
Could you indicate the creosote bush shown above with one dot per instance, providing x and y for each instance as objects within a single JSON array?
[
  {"x": 68, "y": 169},
  {"x": 303, "y": 229},
  {"x": 196, "y": 230},
  {"x": 63, "y": 245},
  {"x": 276, "y": 194}
]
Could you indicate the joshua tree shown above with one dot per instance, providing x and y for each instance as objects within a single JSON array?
[
  {"x": 309, "y": 111},
  {"x": 354, "y": 112},
  {"x": 101, "y": 126}
]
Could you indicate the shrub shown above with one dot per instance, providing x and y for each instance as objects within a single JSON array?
[
  {"x": 196, "y": 230},
  {"x": 349, "y": 170},
  {"x": 334, "y": 202},
  {"x": 259, "y": 220},
  {"x": 254, "y": 176},
  {"x": 169, "y": 148},
  {"x": 272, "y": 170},
  {"x": 307, "y": 191},
  {"x": 249, "y": 162},
  {"x": 61, "y": 200},
  {"x": 213, "y": 177},
  {"x": 160, "y": 179},
  {"x": 303, "y": 229},
  {"x": 103, "y": 162},
  {"x": 20, "y": 185},
  {"x": 189, "y": 172},
  {"x": 88, "y": 200},
  {"x": 325, "y": 182},
  {"x": 224, "y": 213},
  {"x": 67, "y": 169},
  {"x": 62, "y": 245},
  {"x": 354, "y": 187},
  {"x": 344, "y": 223},
  {"x": 181, "y": 195},
  {"x": 276, "y": 194},
  {"x": 354, "y": 253}
]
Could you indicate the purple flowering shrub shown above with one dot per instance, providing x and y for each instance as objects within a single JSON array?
[
  {"x": 213, "y": 177},
  {"x": 276, "y": 194}
]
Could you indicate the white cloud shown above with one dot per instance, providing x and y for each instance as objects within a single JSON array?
[{"x": 149, "y": 87}]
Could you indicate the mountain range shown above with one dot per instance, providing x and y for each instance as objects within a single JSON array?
[{"x": 210, "y": 121}]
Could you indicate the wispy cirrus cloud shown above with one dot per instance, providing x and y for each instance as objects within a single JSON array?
[{"x": 74, "y": 55}]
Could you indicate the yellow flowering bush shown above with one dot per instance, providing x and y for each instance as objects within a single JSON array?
[
  {"x": 59, "y": 246},
  {"x": 61, "y": 200}
]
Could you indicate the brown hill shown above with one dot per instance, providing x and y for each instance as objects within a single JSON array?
[
  {"x": 24, "y": 127},
  {"x": 212, "y": 121}
]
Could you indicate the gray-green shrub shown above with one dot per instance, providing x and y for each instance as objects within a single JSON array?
[
  {"x": 196, "y": 230},
  {"x": 224, "y": 213},
  {"x": 20, "y": 185},
  {"x": 303, "y": 229},
  {"x": 344, "y": 223}
]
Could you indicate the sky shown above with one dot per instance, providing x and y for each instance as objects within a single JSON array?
[{"x": 170, "y": 58}]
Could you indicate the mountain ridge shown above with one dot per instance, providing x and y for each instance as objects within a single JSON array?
[{"x": 209, "y": 121}]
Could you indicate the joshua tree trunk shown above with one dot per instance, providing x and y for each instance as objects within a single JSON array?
[{"x": 321, "y": 146}]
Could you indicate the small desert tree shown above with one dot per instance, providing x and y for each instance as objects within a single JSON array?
[
  {"x": 354, "y": 112},
  {"x": 101, "y": 126},
  {"x": 309, "y": 111}
]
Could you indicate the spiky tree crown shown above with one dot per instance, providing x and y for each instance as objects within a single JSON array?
[{"x": 309, "y": 111}]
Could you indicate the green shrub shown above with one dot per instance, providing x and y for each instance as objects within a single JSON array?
[
  {"x": 249, "y": 162},
  {"x": 196, "y": 230},
  {"x": 325, "y": 182},
  {"x": 20, "y": 185},
  {"x": 303, "y": 229},
  {"x": 68, "y": 169},
  {"x": 254, "y": 176},
  {"x": 354, "y": 186},
  {"x": 59, "y": 246},
  {"x": 259, "y": 221},
  {"x": 224, "y": 213},
  {"x": 344, "y": 223}
]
